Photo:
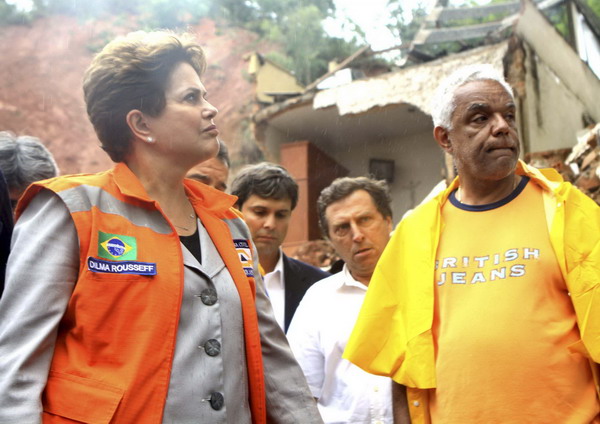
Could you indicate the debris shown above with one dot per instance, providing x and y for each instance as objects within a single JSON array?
[{"x": 579, "y": 165}]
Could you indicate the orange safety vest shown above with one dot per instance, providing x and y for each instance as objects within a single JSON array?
[{"x": 116, "y": 341}]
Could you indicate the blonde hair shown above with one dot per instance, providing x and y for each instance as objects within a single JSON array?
[{"x": 131, "y": 72}]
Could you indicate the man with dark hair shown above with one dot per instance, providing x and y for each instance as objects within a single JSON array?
[
  {"x": 485, "y": 305},
  {"x": 215, "y": 171},
  {"x": 355, "y": 214},
  {"x": 267, "y": 195}
]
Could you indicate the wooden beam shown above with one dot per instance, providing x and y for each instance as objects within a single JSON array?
[
  {"x": 442, "y": 35},
  {"x": 459, "y": 13},
  {"x": 341, "y": 65}
]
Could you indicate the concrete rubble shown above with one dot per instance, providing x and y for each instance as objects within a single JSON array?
[{"x": 579, "y": 165}]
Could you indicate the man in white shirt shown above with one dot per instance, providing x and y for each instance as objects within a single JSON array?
[
  {"x": 267, "y": 195},
  {"x": 355, "y": 214}
]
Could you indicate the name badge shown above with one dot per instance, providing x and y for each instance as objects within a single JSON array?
[
  {"x": 242, "y": 247},
  {"x": 122, "y": 267}
]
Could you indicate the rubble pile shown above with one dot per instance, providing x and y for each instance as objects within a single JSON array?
[{"x": 579, "y": 165}]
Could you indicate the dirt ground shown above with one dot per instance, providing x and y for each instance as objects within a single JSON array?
[{"x": 43, "y": 66}]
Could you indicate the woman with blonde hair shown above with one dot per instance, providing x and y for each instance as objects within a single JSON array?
[{"x": 133, "y": 295}]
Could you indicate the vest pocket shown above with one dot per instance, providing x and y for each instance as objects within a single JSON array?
[{"x": 80, "y": 399}]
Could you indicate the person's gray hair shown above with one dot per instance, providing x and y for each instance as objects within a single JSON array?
[
  {"x": 24, "y": 160},
  {"x": 444, "y": 103},
  {"x": 266, "y": 180},
  {"x": 341, "y": 188}
]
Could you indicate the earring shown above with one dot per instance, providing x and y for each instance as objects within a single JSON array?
[{"x": 150, "y": 139}]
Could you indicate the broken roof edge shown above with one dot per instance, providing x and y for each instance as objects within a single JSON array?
[
  {"x": 387, "y": 89},
  {"x": 412, "y": 85},
  {"x": 280, "y": 107},
  {"x": 446, "y": 14}
]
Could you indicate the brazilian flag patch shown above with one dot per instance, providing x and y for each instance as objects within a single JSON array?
[{"x": 116, "y": 247}]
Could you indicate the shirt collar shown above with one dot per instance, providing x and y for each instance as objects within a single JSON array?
[
  {"x": 349, "y": 280},
  {"x": 279, "y": 266},
  {"x": 278, "y": 270},
  {"x": 549, "y": 179}
]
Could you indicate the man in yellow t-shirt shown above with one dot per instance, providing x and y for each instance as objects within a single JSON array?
[{"x": 485, "y": 304}]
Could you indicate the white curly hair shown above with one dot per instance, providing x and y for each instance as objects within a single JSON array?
[{"x": 443, "y": 103}]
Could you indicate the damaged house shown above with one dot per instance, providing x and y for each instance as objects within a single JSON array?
[{"x": 382, "y": 125}]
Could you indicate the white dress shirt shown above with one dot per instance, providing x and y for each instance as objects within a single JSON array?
[
  {"x": 318, "y": 335},
  {"x": 275, "y": 287}
]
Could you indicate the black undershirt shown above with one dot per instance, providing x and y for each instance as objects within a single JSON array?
[{"x": 192, "y": 242}]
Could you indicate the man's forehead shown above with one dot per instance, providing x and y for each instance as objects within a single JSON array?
[
  {"x": 481, "y": 89},
  {"x": 359, "y": 203},
  {"x": 481, "y": 95},
  {"x": 476, "y": 105},
  {"x": 341, "y": 216},
  {"x": 201, "y": 177},
  {"x": 281, "y": 204},
  {"x": 212, "y": 164}
]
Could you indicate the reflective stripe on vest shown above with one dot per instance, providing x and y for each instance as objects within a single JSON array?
[
  {"x": 83, "y": 198},
  {"x": 116, "y": 340}
]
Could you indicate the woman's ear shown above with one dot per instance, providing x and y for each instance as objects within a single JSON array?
[
  {"x": 443, "y": 139},
  {"x": 137, "y": 122}
]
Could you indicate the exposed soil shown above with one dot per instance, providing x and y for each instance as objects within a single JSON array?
[{"x": 43, "y": 66}]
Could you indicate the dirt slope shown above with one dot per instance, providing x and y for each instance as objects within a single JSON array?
[{"x": 42, "y": 69}]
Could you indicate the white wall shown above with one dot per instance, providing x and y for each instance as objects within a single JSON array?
[
  {"x": 418, "y": 166},
  {"x": 554, "y": 112}
]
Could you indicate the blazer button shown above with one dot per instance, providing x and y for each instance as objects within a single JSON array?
[
  {"x": 216, "y": 401},
  {"x": 208, "y": 296},
  {"x": 212, "y": 347}
]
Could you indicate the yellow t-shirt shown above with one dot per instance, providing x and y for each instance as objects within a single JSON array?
[{"x": 503, "y": 320}]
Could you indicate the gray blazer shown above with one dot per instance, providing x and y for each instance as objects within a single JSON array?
[{"x": 40, "y": 278}]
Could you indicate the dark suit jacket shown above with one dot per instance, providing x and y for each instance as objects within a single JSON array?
[
  {"x": 6, "y": 226},
  {"x": 298, "y": 278}
]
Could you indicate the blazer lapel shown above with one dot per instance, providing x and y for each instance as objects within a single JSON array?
[
  {"x": 212, "y": 262},
  {"x": 292, "y": 280}
]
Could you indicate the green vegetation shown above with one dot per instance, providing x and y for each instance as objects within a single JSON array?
[
  {"x": 406, "y": 29},
  {"x": 9, "y": 15},
  {"x": 401, "y": 26},
  {"x": 559, "y": 16},
  {"x": 296, "y": 25}
]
